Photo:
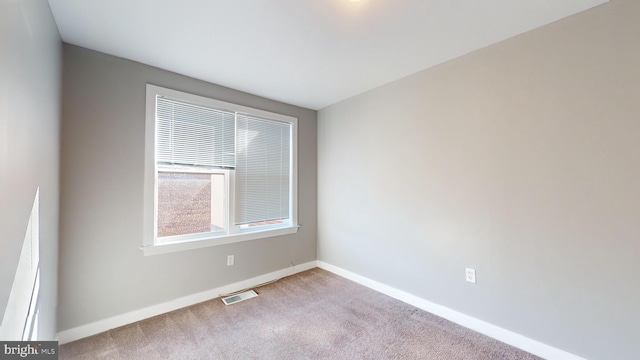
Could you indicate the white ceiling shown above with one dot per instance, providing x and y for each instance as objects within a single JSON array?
[{"x": 310, "y": 53}]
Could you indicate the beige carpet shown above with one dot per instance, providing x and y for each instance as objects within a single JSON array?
[{"x": 311, "y": 315}]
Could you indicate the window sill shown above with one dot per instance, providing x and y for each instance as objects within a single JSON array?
[{"x": 157, "y": 249}]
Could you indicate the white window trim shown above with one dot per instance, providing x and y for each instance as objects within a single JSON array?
[{"x": 150, "y": 246}]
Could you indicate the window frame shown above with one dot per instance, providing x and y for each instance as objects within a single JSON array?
[{"x": 234, "y": 234}]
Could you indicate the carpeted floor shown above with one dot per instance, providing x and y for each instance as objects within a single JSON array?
[{"x": 311, "y": 315}]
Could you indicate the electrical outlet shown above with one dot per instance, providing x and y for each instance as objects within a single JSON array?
[
  {"x": 471, "y": 275},
  {"x": 231, "y": 260}
]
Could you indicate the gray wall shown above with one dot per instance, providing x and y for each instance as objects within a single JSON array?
[
  {"x": 519, "y": 160},
  {"x": 30, "y": 89},
  {"x": 102, "y": 270}
]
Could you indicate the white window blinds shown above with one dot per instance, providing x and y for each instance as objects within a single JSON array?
[
  {"x": 263, "y": 170},
  {"x": 194, "y": 135}
]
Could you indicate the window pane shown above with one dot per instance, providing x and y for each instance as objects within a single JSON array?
[
  {"x": 190, "y": 203},
  {"x": 263, "y": 171},
  {"x": 194, "y": 135}
]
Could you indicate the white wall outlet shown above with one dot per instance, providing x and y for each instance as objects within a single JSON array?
[
  {"x": 231, "y": 260},
  {"x": 471, "y": 275}
]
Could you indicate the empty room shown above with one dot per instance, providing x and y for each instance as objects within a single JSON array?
[{"x": 320, "y": 179}]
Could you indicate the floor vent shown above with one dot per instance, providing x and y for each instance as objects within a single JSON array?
[{"x": 239, "y": 297}]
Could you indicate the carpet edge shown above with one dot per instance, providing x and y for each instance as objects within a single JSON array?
[
  {"x": 501, "y": 334},
  {"x": 83, "y": 331}
]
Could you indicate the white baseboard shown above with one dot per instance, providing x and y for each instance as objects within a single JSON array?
[
  {"x": 522, "y": 342},
  {"x": 141, "y": 314}
]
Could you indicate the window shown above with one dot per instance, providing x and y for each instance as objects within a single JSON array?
[{"x": 215, "y": 172}]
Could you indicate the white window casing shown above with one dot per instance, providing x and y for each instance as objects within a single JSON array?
[{"x": 255, "y": 150}]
